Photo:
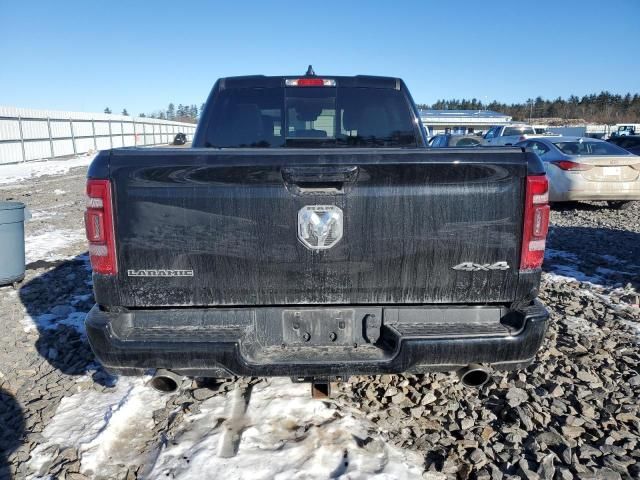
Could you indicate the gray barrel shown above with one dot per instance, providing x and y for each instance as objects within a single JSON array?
[{"x": 11, "y": 242}]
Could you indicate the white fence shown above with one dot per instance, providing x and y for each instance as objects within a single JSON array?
[{"x": 27, "y": 134}]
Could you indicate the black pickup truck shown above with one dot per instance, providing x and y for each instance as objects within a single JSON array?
[{"x": 310, "y": 232}]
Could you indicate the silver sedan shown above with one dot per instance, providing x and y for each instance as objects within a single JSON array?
[{"x": 581, "y": 168}]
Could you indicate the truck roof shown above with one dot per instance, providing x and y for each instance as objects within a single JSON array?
[{"x": 264, "y": 81}]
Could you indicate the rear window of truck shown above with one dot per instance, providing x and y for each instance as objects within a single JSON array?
[{"x": 310, "y": 117}]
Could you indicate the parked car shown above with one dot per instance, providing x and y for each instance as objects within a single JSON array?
[
  {"x": 180, "y": 139},
  {"x": 544, "y": 132},
  {"x": 581, "y": 168},
  {"x": 449, "y": 140},
  {"x": 631, "y": 143},
  {"x": 625, "y": 130},
  {"x": 509, "y": 134},
  {"x": 315, "y": 241}
]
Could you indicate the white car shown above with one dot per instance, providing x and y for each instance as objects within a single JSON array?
[
  {"x": 581, "y": 168},
  {"x": 509, "y": 134}
]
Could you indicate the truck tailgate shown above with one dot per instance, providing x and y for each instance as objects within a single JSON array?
[{"x": 206, "y": 227}]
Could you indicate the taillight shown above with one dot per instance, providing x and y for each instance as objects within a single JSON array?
[
  {"x": 98, "y": 220},
  {"x": 569, "y": 165},
  {"x": 309, "y": 82},
  {"x": 536, "y": 222}
]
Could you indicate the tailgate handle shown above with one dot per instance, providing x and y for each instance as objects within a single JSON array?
[{"x": 320, "y": 178}]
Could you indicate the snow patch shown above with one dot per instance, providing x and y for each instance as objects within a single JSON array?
[
  {"x": 568, "y": 278},
  {"x": 28, "y": 324},
  {"x": 596, "y": 290},
  {"x": 45, "y": 245},
  {"x": 109, "y": 428},
  {"x": 569, "y": 268},
  {"x": 48, "y": 321},
  {"x": 568, "y": 265},
  {"x": 22, "y": 171},
  {"x": 43, "y": 214},
  {"x": 284, "y": 434}
]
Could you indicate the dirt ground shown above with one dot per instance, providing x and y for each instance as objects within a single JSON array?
[{"x": 574, "y": 413}]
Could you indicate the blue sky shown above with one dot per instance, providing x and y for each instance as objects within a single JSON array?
[{"x": 85, "y": 55}]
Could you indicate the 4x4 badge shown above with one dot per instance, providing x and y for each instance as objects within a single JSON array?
[{"x": 479, "y": 267}]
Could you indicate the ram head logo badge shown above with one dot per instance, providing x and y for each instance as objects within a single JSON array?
[{"x": 319, "y": 226}]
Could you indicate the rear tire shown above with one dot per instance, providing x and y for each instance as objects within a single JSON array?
[{"x": 620, "y": 204}]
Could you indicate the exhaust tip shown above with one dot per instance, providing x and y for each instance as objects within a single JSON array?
[
  {"x": 165, "y": 381},
  {"x": 474, "y": 376}
]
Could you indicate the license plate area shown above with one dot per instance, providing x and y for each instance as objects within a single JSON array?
[
  {"x": 319, "y": 327},
  {"x": 612, "y": 171}
]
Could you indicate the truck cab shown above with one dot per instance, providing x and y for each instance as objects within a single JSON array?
[{"x": 625, "y": 130}]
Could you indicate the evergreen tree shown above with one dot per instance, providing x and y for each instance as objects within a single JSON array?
[
  {"x": 604, "y": 107},
  {"x": 107, "y": 110},
  {"x": 124, "y": 112},
  {"x": 171, "y": 112}
]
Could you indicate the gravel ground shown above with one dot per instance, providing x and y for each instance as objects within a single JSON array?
[{"x": 574, "y": 413}]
